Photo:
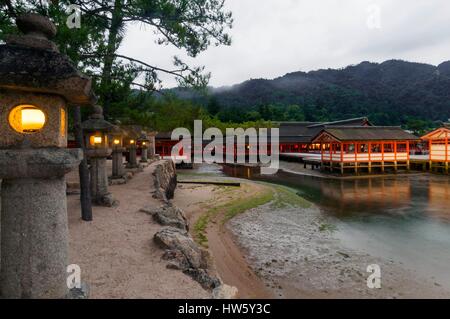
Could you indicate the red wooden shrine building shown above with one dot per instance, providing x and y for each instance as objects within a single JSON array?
[
  {"x": 297, "y": 137},
  {"x": 357, "y": 148},
  {"x": 439, "y": 147}
]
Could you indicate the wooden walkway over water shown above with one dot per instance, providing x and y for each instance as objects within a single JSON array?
[{"x": 416, "y": 162}]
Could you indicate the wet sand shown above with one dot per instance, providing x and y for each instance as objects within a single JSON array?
[
  {"x": 293, "y": 253},
  {"x": 228, "y": 259}
]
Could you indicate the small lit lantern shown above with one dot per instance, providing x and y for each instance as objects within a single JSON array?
[
  {"x": 95, "y": 140},
  {"x": 96, "y": 131},
  {"x": 117, "y": 136},
  {"x": 133, "y": 134},
  {"x": 144, "y": 142},
  {"x": 36, "y": 84}
]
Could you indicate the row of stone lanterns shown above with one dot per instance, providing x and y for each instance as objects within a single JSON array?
[
  {"x": 37, "y": 83},
  {"x": 96, "y": 131},
  {"x": 103, "y": 139}
]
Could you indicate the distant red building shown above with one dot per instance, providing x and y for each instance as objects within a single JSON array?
[{"x": 296, "y": 137}]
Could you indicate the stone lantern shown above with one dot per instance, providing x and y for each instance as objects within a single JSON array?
[
  {"x": 36, "y": 85},
  {"x": 131, "y": 145},
  {"x": 95, "y": 132},
  {"x": 151, "y": 145},
  {"x": 144, "y": 141},
  {"x": 116, "y": 143}
]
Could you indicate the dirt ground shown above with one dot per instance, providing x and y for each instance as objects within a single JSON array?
[{"x": 115, "y": 251}]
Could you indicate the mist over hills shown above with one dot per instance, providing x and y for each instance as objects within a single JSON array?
[{"x": 391, "y": 93}]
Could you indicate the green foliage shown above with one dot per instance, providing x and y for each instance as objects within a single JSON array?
[
  {"x": 168, "y": 112},
  {"x": 230, "y": 210},
  {"x": 192, "y": 25},
  {"x": 418, "y": 126},
  {"x": 287, "y": 197}
]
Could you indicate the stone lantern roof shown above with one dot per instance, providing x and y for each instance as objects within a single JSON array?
[
  {"x": 96, "y": 122},
  {"x": 134, "y": 131},
  {"x": 143, "y": 137},
  {"x": 117, "y": 130},
  {"x": 32, "y": 63}
]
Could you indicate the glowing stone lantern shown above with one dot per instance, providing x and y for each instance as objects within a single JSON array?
[
  {"x": 95, "y": 131},
  {"x": 36, "y": 85},
  {"x": 144, "y": 147},
  {"x": 116, "y": 136},
  {"x": 131, "y": 145}
]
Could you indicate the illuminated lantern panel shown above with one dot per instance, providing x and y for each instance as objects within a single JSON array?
[
  {"x": 131, "y": 142},
  {"x": 27, "y": 119},
  {"x": 116, "y": 142},
  {"x": 96, "y": 140},
  {"x": 144, "y": 143}
]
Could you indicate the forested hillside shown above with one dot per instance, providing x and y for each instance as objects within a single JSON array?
[{"x": 391, "y": 93}]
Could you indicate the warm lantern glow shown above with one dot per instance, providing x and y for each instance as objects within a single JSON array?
[
  {"x": 144, "y": 143},
  {"x": 116, "y": 142},
  {"x": 95, "y": 140},
  {"x": 27, "y": 119},
  {"x": 131, "y": 141}
]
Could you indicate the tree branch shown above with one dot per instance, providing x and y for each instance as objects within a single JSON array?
[{"x": 176, "y": 73}]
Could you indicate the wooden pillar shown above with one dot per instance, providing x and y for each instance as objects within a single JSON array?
[
  {"x": 331, "y": 156},
  {"x": 446, "y": 154},
  {"x": 342, "y": 159},
  {"x": 321, "y": 158},
  {"x": 395, "y": 156},
  {"x": 355, "y": 146},
  {"x": 430, "y": 145},
  {"x": 369, "y": 164},
  {"x": 408, "y": 156},
  {"x": 382, "y": 157}
]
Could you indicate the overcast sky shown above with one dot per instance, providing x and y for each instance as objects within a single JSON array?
[{"x": 274, "y": 37}]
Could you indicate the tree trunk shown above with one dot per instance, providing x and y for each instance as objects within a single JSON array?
[
  {"x": 85, "y": 187},
  {"x": 116, "y": 24}
]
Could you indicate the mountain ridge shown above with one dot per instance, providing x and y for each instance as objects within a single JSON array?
[{"x": 391, "y": 92}]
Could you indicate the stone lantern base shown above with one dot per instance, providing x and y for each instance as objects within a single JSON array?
[
  {"x": 34, "y": 232},
  {"x": 99, "y": 178},
  {"x": 132, "y": 161},
  {"x": 118, "y": 171},
  {"x": 144, "y": 158}
]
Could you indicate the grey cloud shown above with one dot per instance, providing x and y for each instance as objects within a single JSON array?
[{"x": 273, "y": 37}]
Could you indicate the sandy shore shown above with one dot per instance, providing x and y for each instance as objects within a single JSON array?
[
  {"x": 228, "y": 260},
  {"x": 116, "y": 253},
  {"x": 292, "y": 252}
]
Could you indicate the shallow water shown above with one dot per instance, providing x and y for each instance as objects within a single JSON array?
[{"x": 406, "y": 219}]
